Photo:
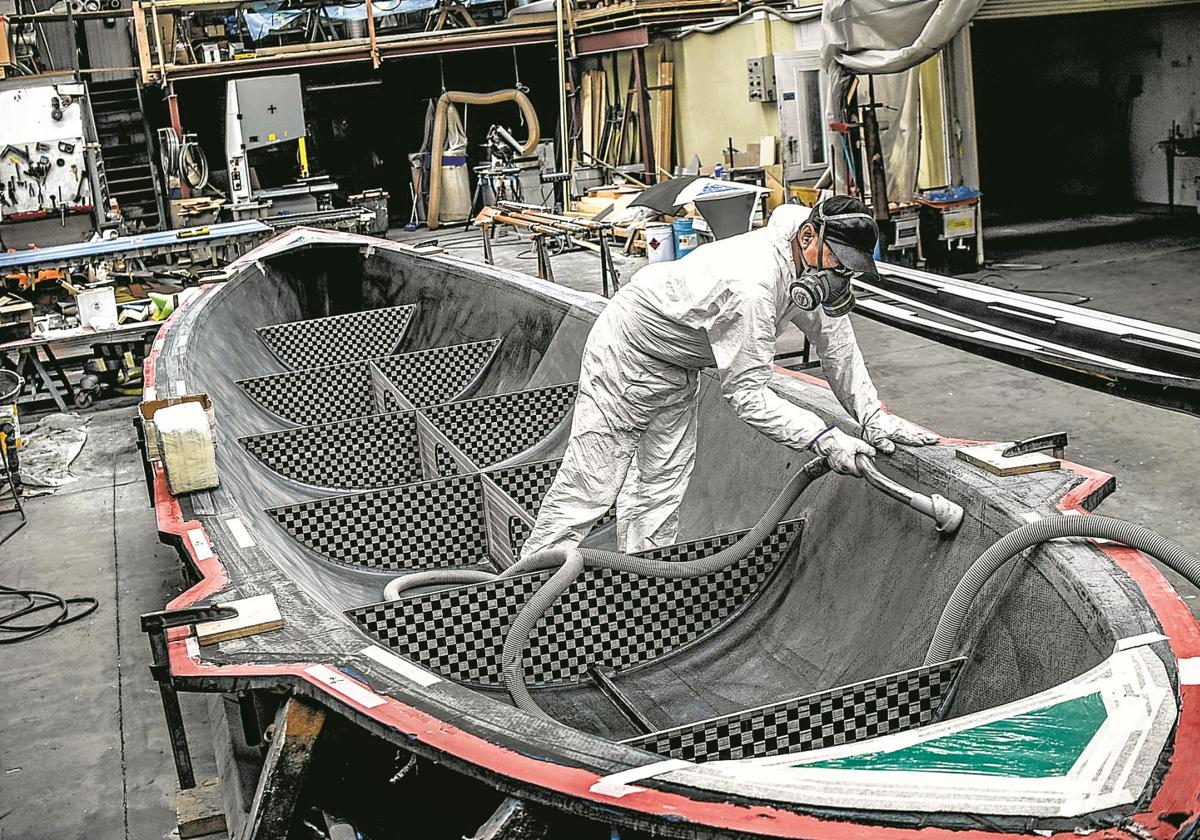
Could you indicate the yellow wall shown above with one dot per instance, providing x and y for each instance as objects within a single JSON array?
[{"x": 712, "y": 100}]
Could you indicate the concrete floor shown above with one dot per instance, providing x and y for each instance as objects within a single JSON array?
[
  {"x": 83, "y": 745},
  {"x": 83, "y": 748}
]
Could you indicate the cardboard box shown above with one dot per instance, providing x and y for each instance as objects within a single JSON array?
[{"x": 148, "y": 407}]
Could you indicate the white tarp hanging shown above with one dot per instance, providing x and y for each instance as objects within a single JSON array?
[
  {"x": 888, "y": 39},
  {"x": 887, "y": 36},
  {"x": 900, "y": 130}
]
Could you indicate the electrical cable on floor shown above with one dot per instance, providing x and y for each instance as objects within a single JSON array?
[{"x": 36, "y": 601}]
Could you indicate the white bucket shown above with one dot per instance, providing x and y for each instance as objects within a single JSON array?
[
  {"x": 97, "y": 308},
  {"x": 660, "y": 243}
]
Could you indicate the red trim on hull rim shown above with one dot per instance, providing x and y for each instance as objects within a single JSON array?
[{"x": 1178, "y": 793}]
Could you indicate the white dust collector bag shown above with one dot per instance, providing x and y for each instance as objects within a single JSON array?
[{"x": 186, "y": 447}]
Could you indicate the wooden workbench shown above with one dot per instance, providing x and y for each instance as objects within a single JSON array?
[{"x": 25, "y": 355}]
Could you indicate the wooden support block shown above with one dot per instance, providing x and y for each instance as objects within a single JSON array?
[
  {"x": 297, "y": 728},
  {"x": 199, "y": 811},
  {"x": 989, "y": 457},
  {"x": 512, "y": 821},
  {"x": 259, "y": 614}
]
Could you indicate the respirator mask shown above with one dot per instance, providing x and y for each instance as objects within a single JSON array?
[{"x": 823, "y": 286}]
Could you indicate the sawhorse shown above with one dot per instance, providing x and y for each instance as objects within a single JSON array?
[{"x": 28, "y": 364}]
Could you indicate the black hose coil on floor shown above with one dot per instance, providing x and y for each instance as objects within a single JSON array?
[{"x": 37, "y": 601}]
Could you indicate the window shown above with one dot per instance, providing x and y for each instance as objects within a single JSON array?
[{"x": 814, "y": 117}]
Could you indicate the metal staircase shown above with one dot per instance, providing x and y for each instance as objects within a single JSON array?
[{"x": 127, "y": 148}]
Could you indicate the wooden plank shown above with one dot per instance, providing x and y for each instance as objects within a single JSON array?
[
  {"x": 586, "y": 92},
  {"x": 371, "y": 35},
  {"x": 298, "y": 726},
  {"x": 643, "y": 118},
  {"x": 259, "y": 614},
  {"x": 143, "y": 42},
  {"x": 989, "y": 457},
  {"x": 664, "y": 122},
  {"x": 531, "y": 29},
  {"x": 199, "y": 811}
]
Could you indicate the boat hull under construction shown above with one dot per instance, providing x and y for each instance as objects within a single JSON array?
[{"x": 383, "y": 410}]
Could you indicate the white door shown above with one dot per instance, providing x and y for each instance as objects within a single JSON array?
[{"x": 804, "y": 137}]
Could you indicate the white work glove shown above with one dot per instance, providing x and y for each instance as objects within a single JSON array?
[
  {"x": 884, "y": 431},
  {"x": 839, "y": 450}
]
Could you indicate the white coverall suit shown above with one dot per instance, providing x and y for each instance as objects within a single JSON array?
[{"x": 633, "y": 437}]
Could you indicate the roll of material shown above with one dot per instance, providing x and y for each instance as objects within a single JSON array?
[
  {"x": 456, "y": 192},
  {"x": 186, "y": 447}
]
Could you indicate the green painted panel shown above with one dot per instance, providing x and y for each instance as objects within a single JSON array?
[{"x": 1036, "y": 744}]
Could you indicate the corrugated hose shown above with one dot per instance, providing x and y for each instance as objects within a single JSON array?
[
  {"x": 570, "y": 562},
  {"x": 1170, "y": 553}
]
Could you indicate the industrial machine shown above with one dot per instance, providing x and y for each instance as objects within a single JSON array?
[
  {"x": 499, "y": 179},
  {"x": 261, "y": 113}
]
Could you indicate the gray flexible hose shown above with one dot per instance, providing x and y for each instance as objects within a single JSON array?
[
  {"x": 433, "y": 578},
  {"x": 569, "y": 562},
  {"x": 518, "y": 632},
  {"x": 572, "y": 561},
  {"x": 595, "y": 558},
  {"x": 946, "y": 515},
  {"x": 1170, "y": 553}
]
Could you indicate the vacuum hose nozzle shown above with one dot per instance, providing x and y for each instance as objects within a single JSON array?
[{"x": 946, "y": 515}]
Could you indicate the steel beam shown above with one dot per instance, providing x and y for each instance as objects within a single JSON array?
[{"x": 634, "y": 37}]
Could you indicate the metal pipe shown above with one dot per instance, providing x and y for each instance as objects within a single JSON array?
[
  {"x": 564, "y": 153},
  {"x": 177, "y": 127},
  {"x": 946, "y": 514}
]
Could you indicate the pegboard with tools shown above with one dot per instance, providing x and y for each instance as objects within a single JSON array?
[{"x": 43, "y": 162}]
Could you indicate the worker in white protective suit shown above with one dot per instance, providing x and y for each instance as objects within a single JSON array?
[{"x": 633, "y": 438}]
